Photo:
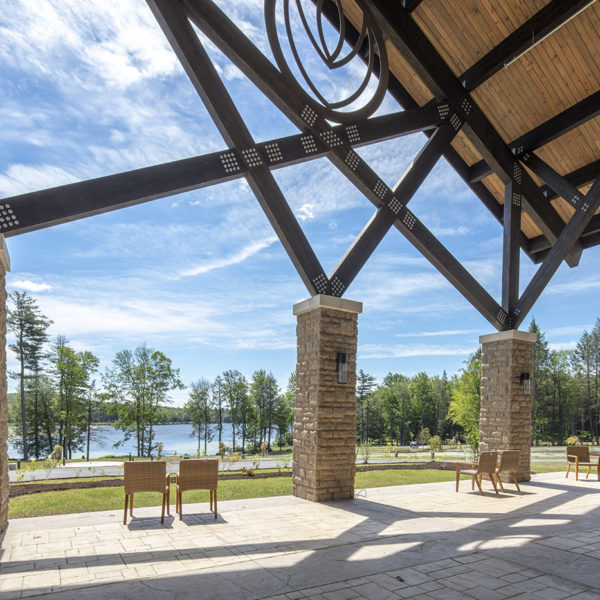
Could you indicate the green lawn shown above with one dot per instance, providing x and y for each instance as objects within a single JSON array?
[{"x": 93, "y": 499}]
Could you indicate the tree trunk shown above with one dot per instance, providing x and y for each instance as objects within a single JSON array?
[
  {"x": 89, "y": 430},
  {"x": 23, "y": 416}
]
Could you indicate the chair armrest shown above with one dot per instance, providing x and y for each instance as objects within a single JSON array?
[{"x": 168, "y": 479}]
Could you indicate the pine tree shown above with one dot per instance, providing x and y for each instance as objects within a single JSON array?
[{"x": 29, "y": 326}]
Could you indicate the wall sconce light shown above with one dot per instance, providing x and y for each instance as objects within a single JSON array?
[
  {"x": 526, "y": 383},
  {"x": 342, "y": 368}
]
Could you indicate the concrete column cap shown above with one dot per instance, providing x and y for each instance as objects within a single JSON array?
[
  {"x": 4, "y": 255},
  {"x": 511, "y": 334},
  {"x": 323, "y": 301}
]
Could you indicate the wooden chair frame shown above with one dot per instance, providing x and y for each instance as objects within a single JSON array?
[
  {"x": 197, "y": 474},
  {"x": 509, "y": 463},
  {"x": 579, "y": 456},
  {"x": 485, "y": 466},
  {"x": 146, "y": 476}
]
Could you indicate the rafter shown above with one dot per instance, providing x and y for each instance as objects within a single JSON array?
[
  {"x": 544, "y": 22},
  {"x": 539, "y": 246},
  {"x": 566, "y": 121},
  {"x": 577, "y": 178},
  {"x": 422, "y": 56},
  {"x": 45, "y": 208},
  {"x": 558, "y": 183},
  {"x": 573, "y": 230}
]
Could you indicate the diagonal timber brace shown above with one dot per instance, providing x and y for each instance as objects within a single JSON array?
[
  {"x": 573, "y": 230},
  {"x": 406, "y": 35},
  {"x": 236, "y": 46},
  {"x": 230, "y": 123}
]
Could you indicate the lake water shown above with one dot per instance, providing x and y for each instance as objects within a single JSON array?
[{"x": 174, "y": 438}]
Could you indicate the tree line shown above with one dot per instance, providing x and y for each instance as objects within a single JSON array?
[
  {"x": 62, "y": 393},
  {"x": 565, "y": 399}
]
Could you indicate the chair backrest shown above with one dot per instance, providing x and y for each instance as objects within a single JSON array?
[
  {"x": 487, "y": 462},
  {"x": 583, "y": 452},
  {"x": 198, "y": 474},
  {"x": 145, "y": 476},
  {"x": 509, "y": 461}
]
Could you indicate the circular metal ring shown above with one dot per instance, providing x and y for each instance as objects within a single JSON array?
[{"x": 370, "y": 42}]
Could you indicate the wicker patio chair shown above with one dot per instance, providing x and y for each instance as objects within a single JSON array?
[
  {"x": 485, "y": 466},
  {"x": 579, "y": 456},
  {"x": 197, "y": 474},
  {"x": 146, "y": 477},
  {"x": 509, "y": 464}
]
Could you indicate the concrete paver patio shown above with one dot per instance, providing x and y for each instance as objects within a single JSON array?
[{"x": 421, "y": 541}]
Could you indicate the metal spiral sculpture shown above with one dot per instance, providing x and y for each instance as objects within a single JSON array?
[{"x": 370, "y": 46}]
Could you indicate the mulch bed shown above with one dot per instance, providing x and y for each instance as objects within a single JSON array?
[{"x": 22, "y": 489}]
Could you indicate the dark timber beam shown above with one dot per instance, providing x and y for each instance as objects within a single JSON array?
[
  {"x": 238, "y": 48},
  {"x": 416, "y": 48},
  {"x": 574, "y": 228},
  {"x": 558, "y": 183},
  {"x": 548, "y": 19},
  {"x": 543, "y": 134},
  {"x": 44, "y": 208},
  {"x": 370, "y": 237},
  {"x": 232, "y": 127},
  {"x": 510, "y": 248},
  {"x": 577, "y": 178},
  {"x": 411, "y": 5},
  {"x": 539, "y": 246}
]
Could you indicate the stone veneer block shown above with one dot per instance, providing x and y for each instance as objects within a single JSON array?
[
  {"x": 505, "y": 418},
  {"x": 4, "y": 267},
  {"x": 325, "y": 410}
]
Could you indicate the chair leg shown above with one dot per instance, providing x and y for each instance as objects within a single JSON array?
[
  {"x": 131, "y": 505},
  {"x": 514, "y": 477},
  {"x": 493, "y": 480},
  {"x": 125, "y": 511},
  {"x": 162, "y": 514},
  {"x": 498, "y": 480},
  {"x": 576, "y": 469},
  {"x": 180, "y": 507},
  {"x": 588, "y": 472},
  {"x": 457, "y": 478},
  {"x": 215, "y": 502},
  {"x": 568, "y": 469},
  {"x": 476, "y": 480}
]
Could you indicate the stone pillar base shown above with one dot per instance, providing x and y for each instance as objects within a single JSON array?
[
  {"x": 325, "y": 410},
  {"x": 4, "y": 267},
  {"x": 505, "y": 418}
]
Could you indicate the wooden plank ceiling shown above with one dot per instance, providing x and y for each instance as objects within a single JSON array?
[{"x": 553, "y": 75}]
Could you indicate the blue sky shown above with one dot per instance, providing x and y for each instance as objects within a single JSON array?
[{"x": 92, "y": 88}]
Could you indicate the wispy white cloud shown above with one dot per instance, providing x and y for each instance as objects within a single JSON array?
[
  {"x": 437, "y": 333},
  {"x": 30, "y": 286},
  {"x": 562, "y": 345},
  {"x": 370, "y": 351},
  {"x": 226, "y": 261},
  {"x": 20, "y": 179}
]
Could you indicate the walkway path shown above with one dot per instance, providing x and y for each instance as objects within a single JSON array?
[{"x": 423, "y": 541}]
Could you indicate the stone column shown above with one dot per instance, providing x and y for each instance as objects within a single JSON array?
[
  {"x": 505, "y": 418},
  {"x": 4, "y": 267},
  {"x": 325, "y": 412}
]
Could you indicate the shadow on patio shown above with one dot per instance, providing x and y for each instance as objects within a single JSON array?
[{"x": 422, "y": 541}]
